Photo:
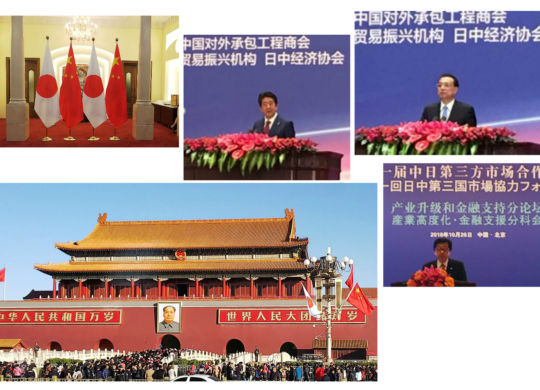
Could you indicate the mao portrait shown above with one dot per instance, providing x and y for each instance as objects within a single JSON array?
[{"x": 168, "y": 317}]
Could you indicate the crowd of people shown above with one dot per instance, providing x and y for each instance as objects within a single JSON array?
[
  {"x": 147, "y": 365},
  {"x": 307, "y": 372},
  {"x": 156, "y": 365}
]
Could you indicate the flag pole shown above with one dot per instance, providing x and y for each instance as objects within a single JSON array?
[
  {"x": 93, "y": 137},
  {"x": 70, "y": 137},
  {"x": 114, "y": 137},
  {"x": 46, "y": 138},
  {"x": 345, "y": 300}
]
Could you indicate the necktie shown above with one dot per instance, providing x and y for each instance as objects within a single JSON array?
[
  {"x": 266, "y": 129},
  {"x": 443, "y": 267},
  {"x": 445, "y": 113}
]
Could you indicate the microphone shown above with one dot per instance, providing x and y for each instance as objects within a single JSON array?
[{"x": 436, "y": 118}]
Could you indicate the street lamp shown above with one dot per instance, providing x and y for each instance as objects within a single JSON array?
[{"x": 324, "y": 271}]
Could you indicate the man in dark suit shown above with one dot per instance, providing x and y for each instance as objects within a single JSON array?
[
  {"x": 443, "y": 248},
  {"x": 449, "y": 109},
  {"x": 272, "y": 124}
]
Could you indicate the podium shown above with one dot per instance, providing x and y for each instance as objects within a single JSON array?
[
  {"x": 457, "y": 283},
  {"x": 297, "y": 166}
]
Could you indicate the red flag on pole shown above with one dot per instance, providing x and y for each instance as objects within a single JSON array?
[
  {"x": 115, "y": 96},
  {"x": 71, "y": 106},
  {"x": 350, "y": 280},
  {"x": 3, "y": 274},
  {"x": 359, "y": 300}
]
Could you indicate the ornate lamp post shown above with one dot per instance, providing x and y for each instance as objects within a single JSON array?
[{"x": 325, "y": 271}]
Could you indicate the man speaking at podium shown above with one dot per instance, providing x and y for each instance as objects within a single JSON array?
[
  {"x": 442, "y": 248},
  {"x": 272, "y": 124},
  {"x": 449, "y": 109}
]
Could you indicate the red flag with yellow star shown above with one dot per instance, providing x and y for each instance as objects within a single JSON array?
[
  {"x": 358, "y": 299},
  {"x": 71, "y": 106},
  {"x": 115, "y": 97}
]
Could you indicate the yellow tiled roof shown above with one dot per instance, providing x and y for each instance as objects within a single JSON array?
[
  {"x": 218, "y": 233},
  {"x": 11, "y": 343},
  {"x": 172, "y": 266}
]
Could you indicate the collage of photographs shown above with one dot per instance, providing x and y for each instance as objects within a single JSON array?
[{"x": 226, "y": 191}]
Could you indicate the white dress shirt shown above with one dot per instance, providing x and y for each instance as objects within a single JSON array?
[{"x": 449, "y": 105}]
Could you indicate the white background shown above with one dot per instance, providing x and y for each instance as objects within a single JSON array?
[{"x": 428, "y": 338}]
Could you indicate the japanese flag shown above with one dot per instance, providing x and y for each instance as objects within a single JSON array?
[
  {"x": 311, "y": 305},
  {"x": 46, "y": 103},
  {"x": 93, "y": 95}
]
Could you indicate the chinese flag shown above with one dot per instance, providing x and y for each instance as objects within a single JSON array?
[
  {"x": 359, "y": 300},
  {"x": 3, "y": 274},
  {"x": 115, "y": 97},
  {"x": 71, "y": 106},
  {"x": 350, "y": 280}
]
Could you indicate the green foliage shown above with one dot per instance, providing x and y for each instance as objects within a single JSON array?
[
  {"x": 57, "y": 361},
  {"x": 435, "y": 148},
  {"x": 249, "y": 162},
  {"x": 189, "y": 362},
  {"x": 338, "y": 363}
]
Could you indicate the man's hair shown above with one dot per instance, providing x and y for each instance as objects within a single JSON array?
[
  {"x": 456, "y": 82},
  {"x": 442, "y": 241},
  {"x": 267, "y": 94},
  {"x": 174, "y": 308}
]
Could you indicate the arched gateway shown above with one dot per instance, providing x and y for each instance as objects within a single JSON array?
[
  {"x": 106, "y": 344},
  {"x": 235, "y": 346},
  {"x": 169, "y": 341},
  {"x": 290, "y": 348}
]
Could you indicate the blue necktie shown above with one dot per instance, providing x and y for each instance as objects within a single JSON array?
[{"x": 444, "y": 113}]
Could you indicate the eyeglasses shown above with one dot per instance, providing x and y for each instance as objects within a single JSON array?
[{"x": 448, "y": 85}]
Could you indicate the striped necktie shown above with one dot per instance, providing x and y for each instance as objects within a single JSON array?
[
  {"x": 444, "y": 117},
  {"x": 266, "y": 129}
]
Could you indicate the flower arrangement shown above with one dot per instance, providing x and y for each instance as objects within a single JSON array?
[
  {"x": 431, "y": 277},
  {"x": 251, "y": 151},
  {"x": 429, "y": 138}
]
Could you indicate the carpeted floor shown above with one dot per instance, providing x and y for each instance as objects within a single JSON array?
[{"x": 163, "y": 136}]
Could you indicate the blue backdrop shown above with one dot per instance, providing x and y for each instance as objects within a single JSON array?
[
  {"x": 496, "y": 232},
  {"x": 395, "y": 81}
]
